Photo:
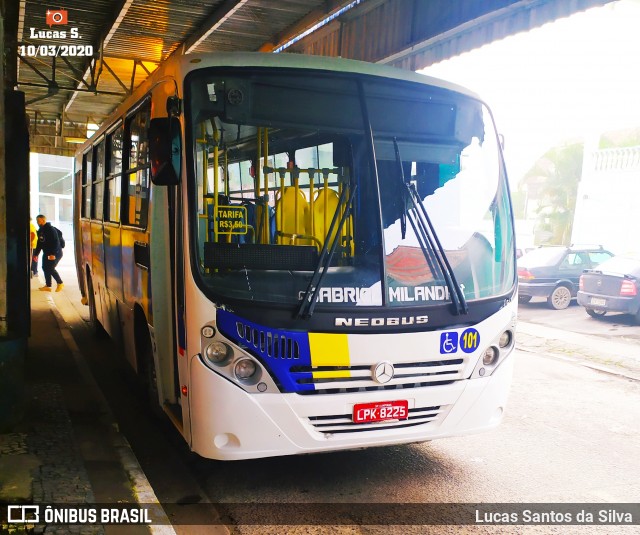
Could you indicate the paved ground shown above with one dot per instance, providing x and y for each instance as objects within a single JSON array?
[
  {"x": 598, "y": 352},
  {"x": 68, "y": 448}
]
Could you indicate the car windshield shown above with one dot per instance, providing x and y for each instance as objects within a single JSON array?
[
  {"x": 621, "y": 265},
  {"x": 289, "y": 168},
  {"x": 543, "y": 256}
]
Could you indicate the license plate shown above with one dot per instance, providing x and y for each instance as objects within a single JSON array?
[
  {"x": 598, "y": 302},
  {"x": 381, "y": 411}
]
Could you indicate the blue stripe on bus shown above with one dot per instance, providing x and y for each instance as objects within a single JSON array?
[{"x": 282, "y": 352}]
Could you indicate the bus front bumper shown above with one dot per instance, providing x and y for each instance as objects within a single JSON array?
[{"x": 227, "y": 423}]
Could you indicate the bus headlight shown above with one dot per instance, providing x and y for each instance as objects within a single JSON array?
[
  {"x": 501, "y": 346},
  {"x": 244, "y": 369},
  {"x": 217, "y": 352},
  {"x": 505, "y": 339},
  {"x": 490, "y": 356}
]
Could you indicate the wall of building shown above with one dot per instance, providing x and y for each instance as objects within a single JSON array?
[{"x": 607, "y": 203}]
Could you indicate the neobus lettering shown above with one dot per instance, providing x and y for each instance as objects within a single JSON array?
[{"x": 380, "y": 322}]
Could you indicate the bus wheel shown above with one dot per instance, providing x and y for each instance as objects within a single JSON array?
[
  {"x": 147, "y": 374},
  {"x": 94, "y": 323}
]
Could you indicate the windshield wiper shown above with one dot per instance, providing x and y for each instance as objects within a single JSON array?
[
  {"x": 427, "y": 238},
  {"x": 328, "y": 250}
]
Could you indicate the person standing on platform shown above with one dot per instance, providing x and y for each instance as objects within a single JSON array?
[
  {"x": 49, "y": 243},
  {"x": 33, "y": 235}
]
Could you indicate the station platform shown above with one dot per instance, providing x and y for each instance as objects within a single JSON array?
[{"x": 67, "y": 448}]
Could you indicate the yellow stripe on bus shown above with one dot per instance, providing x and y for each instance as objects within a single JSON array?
[
  {"x": 332, "y": 374},
  {"x": 329, "y": 350}
]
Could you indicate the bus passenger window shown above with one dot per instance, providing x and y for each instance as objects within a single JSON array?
[
  {"x": 98, "y": 184},
  {"x": 137, "y": 194},
  {"x": 87, "y": 174},
  {"x": 113, "y": 189}
]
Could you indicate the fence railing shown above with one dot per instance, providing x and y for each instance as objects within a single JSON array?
[{"x": 617, "y": 159}]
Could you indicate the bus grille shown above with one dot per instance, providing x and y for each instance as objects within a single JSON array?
[
  {"x": 343, "y": 423},
  {"x": 370, "y": 388},
  {"x": 347, "y": 379},
  {"x": 267, "y": 343}
]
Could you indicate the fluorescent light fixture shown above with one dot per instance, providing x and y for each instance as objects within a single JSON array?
[{"x": 317, "y": 26}]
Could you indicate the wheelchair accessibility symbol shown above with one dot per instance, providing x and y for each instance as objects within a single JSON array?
[
  {"x": 467, "y": 341},
  {"x": 448, "y": 342}
]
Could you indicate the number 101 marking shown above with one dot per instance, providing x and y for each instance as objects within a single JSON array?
[{"x": 469, "y": 340}]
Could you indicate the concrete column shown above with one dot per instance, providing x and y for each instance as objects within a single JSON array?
[
  {"x": 14, "y": 226},
  {"x": 11, "y": 355},
  {"x": 3, "y": 200},
  {"x": 34, "y": 181}
]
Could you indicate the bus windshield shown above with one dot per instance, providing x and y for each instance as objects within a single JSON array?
[{"x": 348, "y": 190}]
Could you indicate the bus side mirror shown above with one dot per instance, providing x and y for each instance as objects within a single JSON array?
[{"x": 161, "y": 149}]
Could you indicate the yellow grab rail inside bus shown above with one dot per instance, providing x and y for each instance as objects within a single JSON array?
[{"x": 301, "y": 221}]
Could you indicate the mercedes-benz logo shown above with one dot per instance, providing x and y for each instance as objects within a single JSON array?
[{"x": 382, "y": 372}]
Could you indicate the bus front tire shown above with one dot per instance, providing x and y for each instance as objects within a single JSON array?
[
  {"x": 147, "y": 373},
  {"x": 94, "y": 323}
]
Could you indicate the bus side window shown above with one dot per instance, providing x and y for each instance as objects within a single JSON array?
[
  {"x": 98, "y": 182},
  {"x": 137, "y": 192},
  {"x": 114, "y": 180},
  {"x": 87, "y": 179}
]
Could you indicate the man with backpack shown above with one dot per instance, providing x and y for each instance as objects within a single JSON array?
[{"x": 50, "y": 242}]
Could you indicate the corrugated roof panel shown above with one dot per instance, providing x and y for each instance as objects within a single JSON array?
[
  {"x": 149, "y": 30},
  {"x": 496, "y": 25},
  {"x": 152, "y": 30},
  {"x": 256, "y": 23},
  {"x": 89, "y": 19},
  {"x": 406, "y": 33}
]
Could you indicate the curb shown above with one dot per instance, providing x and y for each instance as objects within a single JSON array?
[
  {"x": 140, "y": 484},
  {"x": 562, "y": 345}
]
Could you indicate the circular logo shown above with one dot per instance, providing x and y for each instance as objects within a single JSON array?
[
  {"x": 382, "y": 372},
  {"x": 469, "y": 340},
  {"x": 57, "y": 17}
]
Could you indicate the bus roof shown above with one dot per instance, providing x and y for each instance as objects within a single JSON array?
[
  {"x": 303, "y": 61},
  {"x": 181, "y": 65}
]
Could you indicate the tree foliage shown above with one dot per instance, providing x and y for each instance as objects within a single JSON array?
[{"x": 557, "y": 175}]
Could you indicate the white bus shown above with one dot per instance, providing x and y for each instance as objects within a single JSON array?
[{"x": 302, "y": 254}]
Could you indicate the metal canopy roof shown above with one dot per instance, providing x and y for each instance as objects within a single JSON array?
[{"x": 113, "y": 45}]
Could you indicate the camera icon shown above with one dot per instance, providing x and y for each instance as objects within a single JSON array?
[
  {"x": 57, "y": 16},
  {"x": 23, "y": 514}
]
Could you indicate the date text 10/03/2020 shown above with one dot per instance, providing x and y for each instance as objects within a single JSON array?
[{"x": 55, "y": 50}]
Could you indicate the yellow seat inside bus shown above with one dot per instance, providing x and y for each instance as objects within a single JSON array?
[
  {"x": 292, "y": 217},
  {"x": 325, "y": 205}
]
